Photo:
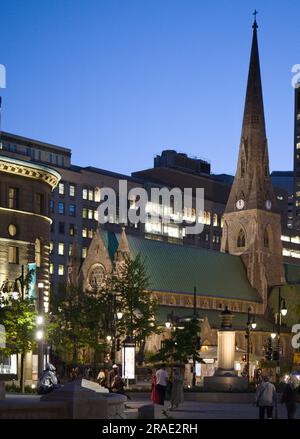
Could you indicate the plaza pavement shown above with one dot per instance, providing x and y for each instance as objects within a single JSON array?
[{"x": 206, "y": 410}]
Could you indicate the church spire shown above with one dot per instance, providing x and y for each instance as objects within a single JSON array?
[{"x": 252, "y": 187}]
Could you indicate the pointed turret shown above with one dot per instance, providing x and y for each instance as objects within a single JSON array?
[
  {"x": 252, "y": 187},
  {"x": 123, "y": 250},
  {"x": 252, "y": 224}
]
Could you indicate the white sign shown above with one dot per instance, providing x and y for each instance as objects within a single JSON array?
[
  {"x": 128, "y": 362},
  {"x": 198, "y": 369},
  {"x": 8, "y": 365}
]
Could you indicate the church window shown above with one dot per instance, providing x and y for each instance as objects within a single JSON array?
[
  {"x": 266, "y": 239},
  {"x": 241, "y": 239},
  {"x": 243, "y": 167}
]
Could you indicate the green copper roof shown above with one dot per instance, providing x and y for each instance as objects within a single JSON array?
[{"x": 176, "y": 268}]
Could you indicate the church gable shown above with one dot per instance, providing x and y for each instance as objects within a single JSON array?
[{"x": 97, "y": 262}]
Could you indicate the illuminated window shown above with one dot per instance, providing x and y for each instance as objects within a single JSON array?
[
  {"x": 61, "y": 188},
  {"x": 84, "y": 194},
  {"x": 71, "y": 229},
  {"x": 61, "y": 270},
  {"x": 13, "y": 198},
  {"x": 215, "y": 220},
  {"x": 84, "y": 250},
  {"x": 70, "y": 249},
  {"x": 61, "y": 248},
  {"x": 72, "y": 190},
  {"x": 91, "y": 195},
  {"x": 51, "y": 246},
  {"x": 97, "y": 195},
  {"x": 285, "y": 238},
  {"x": 90, "y": 214},
  {"x": 295, "y": 239},
  {"x": 96, "y": 215},
  {"x": 84, "y": 232},
  {"x": 13, "y": 255},
  {"x": 51, "y": 268},
  {"x": 38, "y": 252},
  {"x": 91, "y": 232},
  {"x": 84, "y": 212},
  {"x": 298, "y": 145}
]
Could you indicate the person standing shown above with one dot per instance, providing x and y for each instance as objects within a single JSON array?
[
  {"x": 161, "y": 383},
  {"x": 111, "y": 375},
  {"x": 101, "y": 378},
  {"x": 177, "y": 389},
  {"x": 154, "y": 393},
  {"x": 266, "y": 398},
  {"x": 290, "y": 396}
]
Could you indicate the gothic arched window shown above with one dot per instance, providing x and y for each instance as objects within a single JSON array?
[
  {"x": 266, "y": 238},
  {"x": 243, "y": 167},
  {"x": 241, "y": 239}
]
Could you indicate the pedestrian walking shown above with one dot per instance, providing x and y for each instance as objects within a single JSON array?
[
  {"x": 266, "y": 398},
  {"x": 177, "y": 389},
  {"x": 290, "y": 396},
  {"x": 162, "y": 378}
]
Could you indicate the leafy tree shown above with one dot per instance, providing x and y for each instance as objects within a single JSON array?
[
  {"x": 19, "y": 318},
  {"x": 182, "y": 345},
  {"x": 76, "y": 323},
  {"x": 130, "y": 283}
]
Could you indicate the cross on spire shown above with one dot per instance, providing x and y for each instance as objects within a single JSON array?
[{"x": 255, "y": 23}]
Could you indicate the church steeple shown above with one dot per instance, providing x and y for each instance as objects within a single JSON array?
[
  {"x": 252, "y": 187},
  {"x": 252, "y": 225}
]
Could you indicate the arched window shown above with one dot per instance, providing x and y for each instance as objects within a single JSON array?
[
  {"x": 241, "y": 238},
  {"x": 38, "y": 252},
  {"x": 266, "y": 238},
  {"x": 243, "y": 167}
]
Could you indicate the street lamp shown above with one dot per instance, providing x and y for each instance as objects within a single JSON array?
[
  {"x": 39, "y": 335},
  {"x": 281, "y": 312},
  {"x": 273, "y": 335},
  {"x": 119, "y": 315},
  {"x": 251, "y": 325},
  {"x": 108, "y": 338}
]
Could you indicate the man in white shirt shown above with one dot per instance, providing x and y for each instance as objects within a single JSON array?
[{"x": 161, "y": 383}]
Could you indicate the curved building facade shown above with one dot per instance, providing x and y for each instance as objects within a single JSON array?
[{"x": 25, "y": 223}]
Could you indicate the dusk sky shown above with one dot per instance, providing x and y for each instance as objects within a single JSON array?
[{"x": 118, "y": 81}]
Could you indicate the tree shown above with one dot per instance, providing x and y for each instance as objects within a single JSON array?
[
  {"x": 183, "y": 345},
  {"x": 130, "y": 283},
  {"x": 19, "y": 319},
  {"x": 77, "y": 323}
]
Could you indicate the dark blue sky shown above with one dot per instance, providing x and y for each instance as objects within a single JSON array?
[{"x": 120, "y": 80}]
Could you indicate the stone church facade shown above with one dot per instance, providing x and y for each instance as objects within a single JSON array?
[{"x": 242, "y": 276}]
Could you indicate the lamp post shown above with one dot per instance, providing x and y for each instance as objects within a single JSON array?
[
  {"x": 281, "y": 312},
  {"x": 40, "y": 330},
  {"x": 251, "y": 324}
]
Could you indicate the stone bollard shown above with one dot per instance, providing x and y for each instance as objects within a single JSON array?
[{"x": 87, "y": 400}]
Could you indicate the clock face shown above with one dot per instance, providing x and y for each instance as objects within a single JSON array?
[
  {"x": 96, "y": 276},
  {"x": 240, "y": 204},
  {"x": 268, "y": 204}
]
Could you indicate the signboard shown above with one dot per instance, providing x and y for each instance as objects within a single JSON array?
[
  {"x": 8, "y": 367},
  {"x": 296, "y": 358},
  {"x": 32, "y": 285},
  {"x": 128, "y": 362},
  {"x": 198, "y": 369}
]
